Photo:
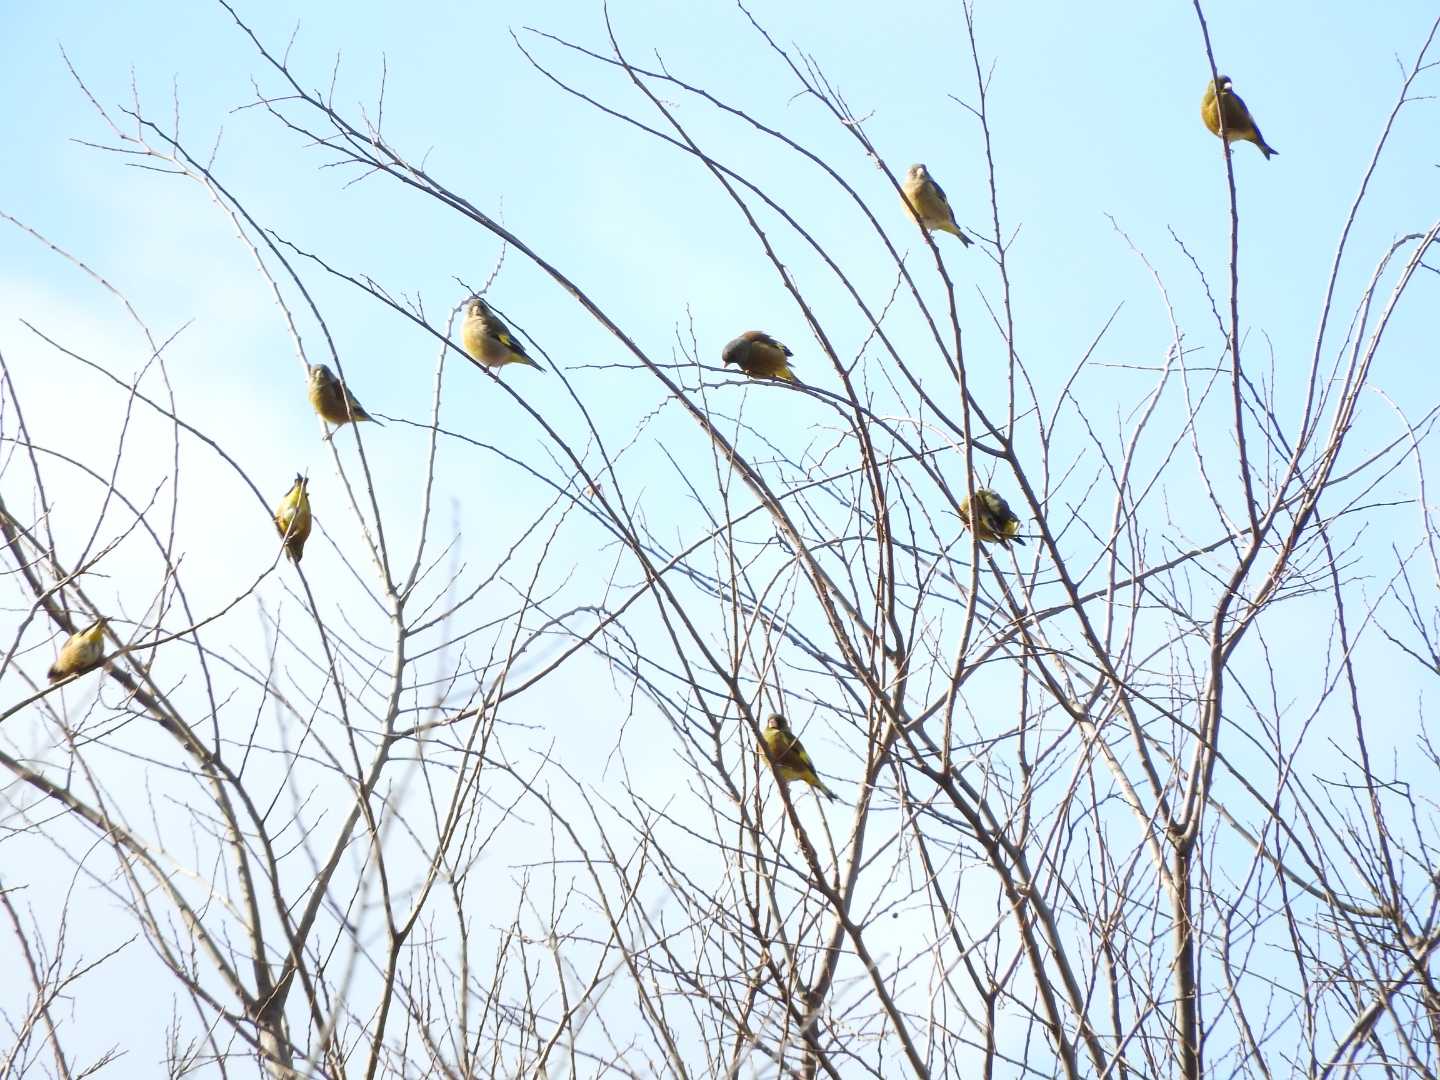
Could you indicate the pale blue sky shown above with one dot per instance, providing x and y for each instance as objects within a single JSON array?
[{"x": 1094, "y": 112}]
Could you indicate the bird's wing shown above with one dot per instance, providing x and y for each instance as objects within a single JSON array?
[
  {"x": 795, "y": 756},
  {"x": 502, "y": 334},
  {"x": 1003, "y": 523},
  {"x": 940, "y": 192},
  {"x": 1237, "y": 116},
  {"x": 765, "y": 339}
]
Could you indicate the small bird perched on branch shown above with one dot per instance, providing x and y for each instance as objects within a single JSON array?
[
  {"x": 332, "y": 399},
  {"x": 83, "y": 651},
  {"x": 1221, "y": 99},
  {"x": 292, "y": 518},
  {"x": 995, "y": 521},
  {"x": 760, "y": 356},
  {"x": 925, "y": 199},
  {"x": 789, "y": 757},
  {"x": 488, "y": 340}
]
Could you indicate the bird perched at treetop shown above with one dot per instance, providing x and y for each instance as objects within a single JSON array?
[
  {"x": 1220, "y": 98},
  {"x": 292, "y": 518},
  {"x": 488, "y": 340},
  {"x": 83, "y": 651},
  {"x": 995, "y": 520},
  {"x": 332, "y": 399},
  {"x": 760, "y": 356},
  {"x": 789, "y": 757},
  {"x": 925, "y": 199}
]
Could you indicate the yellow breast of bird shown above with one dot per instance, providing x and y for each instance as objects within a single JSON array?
[
  {"x": 481, "y": 344},
  {"x": 328, "y": 403},
  {"x": 933, "y": 210},
  {"x": 81, "y": 651},
  {"x": 293, "y": 519},
  {"x": 84, "y": 652},
  {"x": 1210, "y": 113}
]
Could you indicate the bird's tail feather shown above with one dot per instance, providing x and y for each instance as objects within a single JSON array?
[{"x": 955, "y": 230}]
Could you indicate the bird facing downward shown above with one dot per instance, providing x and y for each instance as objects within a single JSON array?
[
  {"x": 925, "y": 199},
  {"x": 292, "y": 518},
  {"x": 332, "y": 399},
  {"x": 760, "y": 356},
  {"x": 995, "y": 520},
  {"x": 83, "y": 651},
  {"x": 1220, "y": 99},
  {"x": 488, "y": 340},
  {"x": 789, "y": 757}
]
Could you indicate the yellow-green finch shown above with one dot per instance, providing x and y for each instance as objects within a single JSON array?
[
  {"x": 332, "y": 399},
  {"x": 994, "y": 521},
  {"x": 488, "y": 340},
  {"x": 292, "y": 518},
  {"x": 760, "y": 356},
  {"x": 83, "y": 651},
  {"x": 789, "y": 757},
  {"x": 925, "y": 199},
  {"x": 1221, "y": 100}
]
